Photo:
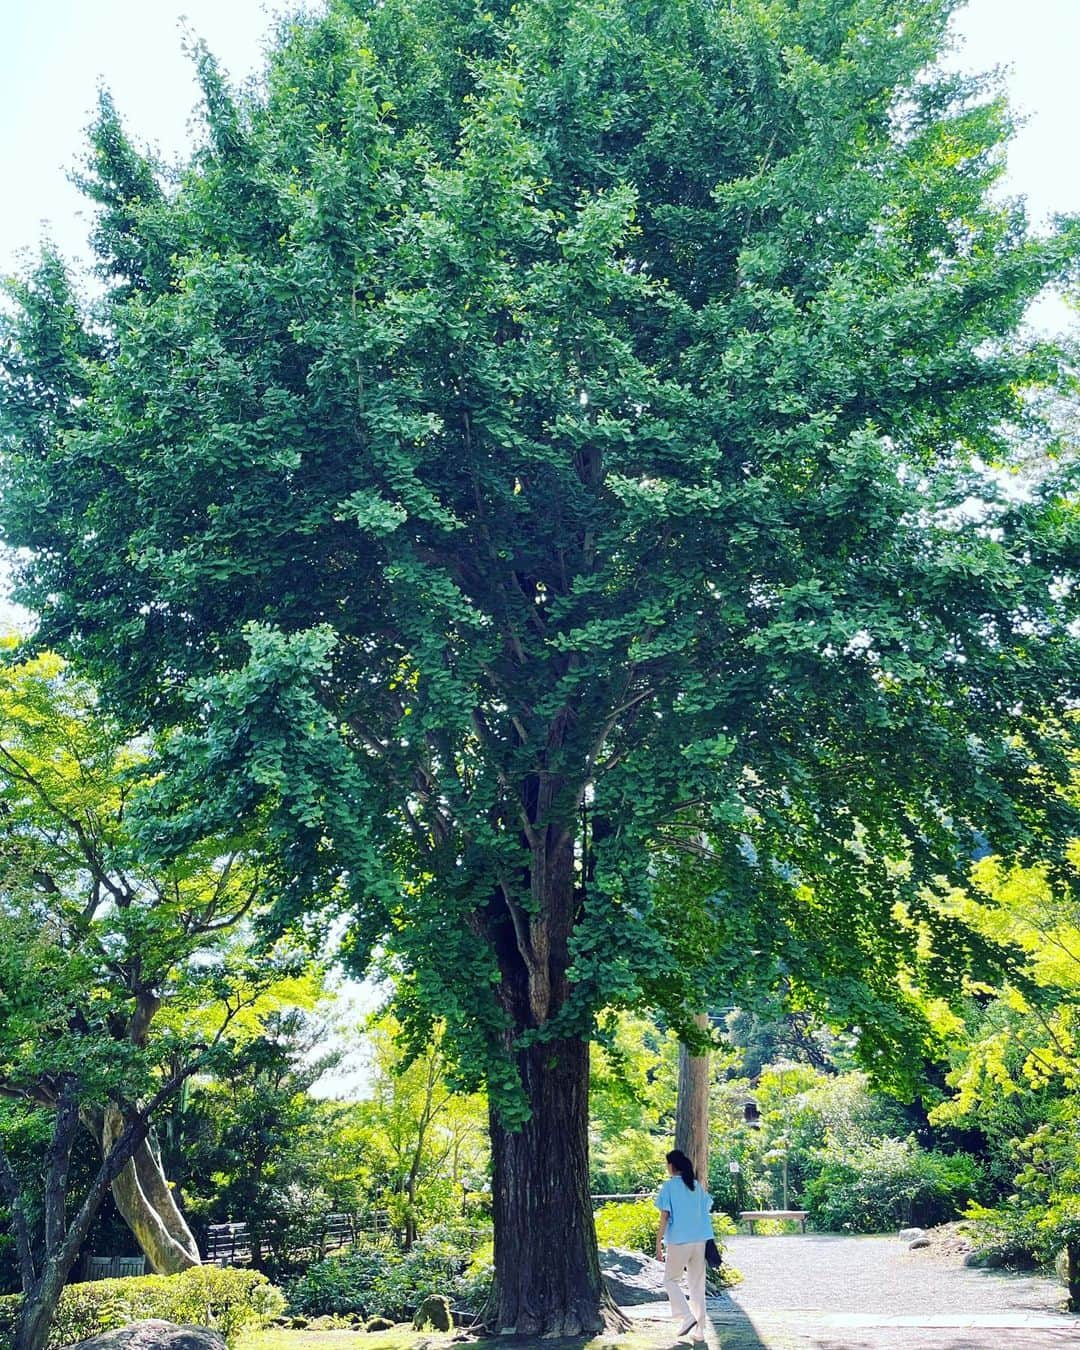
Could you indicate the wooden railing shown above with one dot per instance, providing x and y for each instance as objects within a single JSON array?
[{"x": 229, "y": 1244}]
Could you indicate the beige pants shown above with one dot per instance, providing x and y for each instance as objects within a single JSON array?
[{"x": 688, "y": 1256}]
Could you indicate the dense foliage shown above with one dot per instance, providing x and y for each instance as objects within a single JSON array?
[
  {"x": 1015, "y": 1060},
  {"x": 380, "y": 1280},
  {"x": 389, "y": 537},
  {"x": 230, "y": 1300},
  {"x": 891, "y": 1184}
]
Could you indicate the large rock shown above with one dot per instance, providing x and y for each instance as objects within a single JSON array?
[
  {"x": 155, "y": 1335},
  {"x": 911, "y": 1234},
  {"x": 631, "y": 1277}
]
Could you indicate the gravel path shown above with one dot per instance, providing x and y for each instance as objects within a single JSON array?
[
  {"x": 819, "y": 1292},
  {"x": 822, "y": 1273}
]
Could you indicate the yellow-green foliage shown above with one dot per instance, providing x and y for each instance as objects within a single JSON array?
[
  {"x": 632, "y": 1225},
  {"x": 229, "y": 1300}
]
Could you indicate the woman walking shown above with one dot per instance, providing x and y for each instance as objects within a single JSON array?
[{"x": 685, "y": 1227}]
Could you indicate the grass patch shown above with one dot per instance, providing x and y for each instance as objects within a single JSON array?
[{"x": 643, "y": 1336}]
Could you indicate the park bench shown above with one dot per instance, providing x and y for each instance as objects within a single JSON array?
[
  {"x": 752, "y": 1216},
  {"x": 113, "y": 1267}
]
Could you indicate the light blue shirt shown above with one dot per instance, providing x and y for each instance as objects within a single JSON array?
[{"x": 688, "y": 1211}]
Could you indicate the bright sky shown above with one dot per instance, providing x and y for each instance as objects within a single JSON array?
[{"x": 53, "y": 53}]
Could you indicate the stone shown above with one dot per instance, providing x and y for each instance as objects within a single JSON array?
[
  {"x": 434, "y": 1314},
  {"x": 154, "y": 1334},
  {"x": 918, "y": 1243},
  {"x": 631, "y": 1277},
  {"x": 380, "y": 1324},
  {"x": 910, "y": 1234}
]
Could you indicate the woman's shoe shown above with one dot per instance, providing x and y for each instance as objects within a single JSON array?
[{"x": 687, "y": 1327}]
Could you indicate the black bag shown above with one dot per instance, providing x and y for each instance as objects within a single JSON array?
[{"x": 712, "y": 1254}]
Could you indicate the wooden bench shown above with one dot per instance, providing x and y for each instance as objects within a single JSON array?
[
  {"x": 751, "y": 1216},
  {"x": 113, "y": 1267}
]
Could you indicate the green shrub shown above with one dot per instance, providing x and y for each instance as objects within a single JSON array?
[
  {"x": 341, "y": 1283},
  {"x": 375, "y": 1279},
  {"x": 632, "y": 1224},
  {"x": 891, "y": 1183},
  {"x": 229, "y": 1300},
  {"x": 1022, "y": 1236}
]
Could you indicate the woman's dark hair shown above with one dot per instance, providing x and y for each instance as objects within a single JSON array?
[{"x": 683, "y": 1166}]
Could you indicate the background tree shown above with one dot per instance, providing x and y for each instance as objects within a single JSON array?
[
  {"x": 117, "y": 977},
  {"x": 253, "y": 1145},
  {"x": 431, "y": 1138},
  {"x": 521, "y": 434},
  {"x": 1014, "y": 1056}
]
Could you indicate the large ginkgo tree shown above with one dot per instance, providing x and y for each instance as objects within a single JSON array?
[{"x": 534, "y": 451}]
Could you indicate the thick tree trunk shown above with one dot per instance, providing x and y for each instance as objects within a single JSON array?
[
  {"x": 145, "y": 1200},
  {"x": 692, "y": 1107},
  {"x": 547, "y": 1275}
]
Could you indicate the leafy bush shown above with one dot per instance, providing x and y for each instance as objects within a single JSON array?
[
  {"x": 891, "y": 1183},
  {"x": 1005, "y": 1236},
  {"x": 209, "y": 1296},
  {"x": 341, "y": 1283},
  {"x": 375, "y": 1279},
  {"x": 632, "y": 1224}
]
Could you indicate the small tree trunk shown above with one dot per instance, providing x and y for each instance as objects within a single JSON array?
[
  {"x": 43, "y": 1294},
  {"x": 692, "y": 1107},
  {"x": 155, "y": 1186},
  {"x": 146, "y": 1203},
  {"x": 410, "y": 1214},
  {"x": 38, "y": 1311}
]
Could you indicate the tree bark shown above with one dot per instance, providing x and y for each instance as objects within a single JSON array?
[
  {"x": 146, "y": 1202},
  {"x": 36, "y": 1318},
  {"x": 692, "y": 1107},
  {"x": 40, "y": 1299},
  {"x": 547, "y": 1273}
]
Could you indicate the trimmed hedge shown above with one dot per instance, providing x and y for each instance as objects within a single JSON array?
[{"x": 209, "y": 1296}]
